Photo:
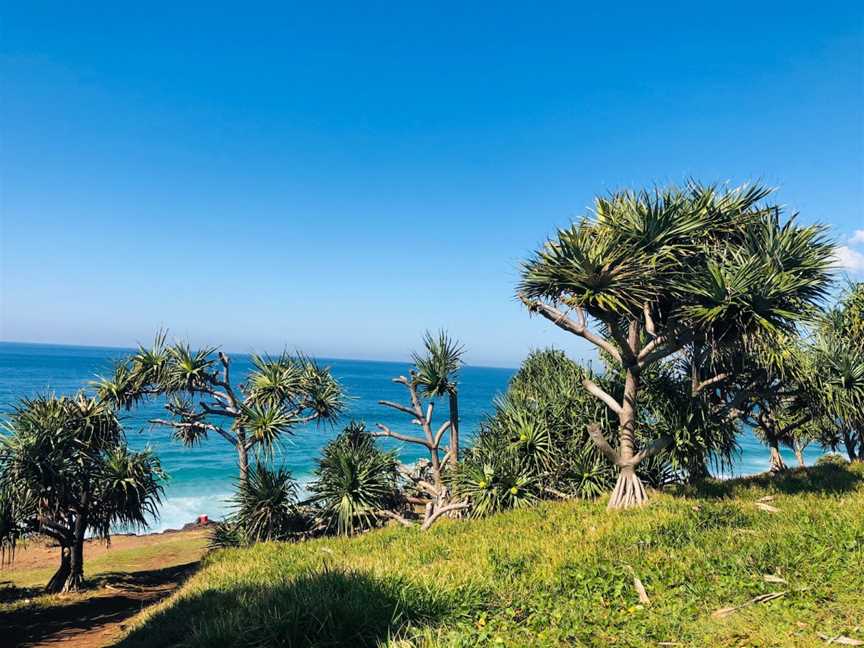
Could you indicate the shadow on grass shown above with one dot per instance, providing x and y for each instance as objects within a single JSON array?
[
  {"x": 319, "y": 608},
  {"x": 822, "y": 479},
  {"x": 10, "y": 593},
  {"x": 109, "y": 598}
]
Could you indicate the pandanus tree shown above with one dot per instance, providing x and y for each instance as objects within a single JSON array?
[
  {"x": 279, "y": 394},
  {"x": 265, "y": 507},
  {"x": 437, "y": 376},
  {"x": 356, "y": 483},
  {"x": 65, "y": 472},
  {"x": 675, "y": 272},
  {"x": 433, "y": 374},
  {"x": 777, "y": 379},
  {"x": 837, "y": 387}
]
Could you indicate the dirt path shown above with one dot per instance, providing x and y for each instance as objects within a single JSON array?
[{"x": 136, "y": 571}]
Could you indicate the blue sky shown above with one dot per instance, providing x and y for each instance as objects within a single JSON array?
[{"x": 340, "y": 178}]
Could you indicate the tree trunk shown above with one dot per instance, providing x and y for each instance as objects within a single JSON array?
[
  {"x": 627, "y": 417},
  {"x": 76, "y": 563},
  {"x": 76, "y": 567},
  {"x": 454, "y": 427},
  {"x": 697, "y": 472},
  {"x": 58, "y": 580},
  {"x": 850, "y": 446},
  {"x": 629, "y": 491},
  {"x": 777, "y": 463},
  {"x": 242, "y": 457},
  {"x": 799, "y": 454}
]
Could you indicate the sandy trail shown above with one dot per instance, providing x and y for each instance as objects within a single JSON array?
[{"x": 123, "y": 578}]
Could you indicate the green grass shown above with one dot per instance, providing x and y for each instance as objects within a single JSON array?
[
  {"x": 555, "y": 575},
  {"x": 172, "y": 550},
  {"x": 23, "y": 589}
]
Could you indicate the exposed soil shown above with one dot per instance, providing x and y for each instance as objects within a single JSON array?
[{"x": 97, "y": 616}]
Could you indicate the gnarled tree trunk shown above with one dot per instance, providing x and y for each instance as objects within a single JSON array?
[
  {"x": 799, "y": 455},
  {"x": 76, "y": 566},
  {"x": 76, "y": 559},
  {"x": 629, "y": 490},
  {"x": 58, "y": 580},
  {"x": 849, "y": 442},
  {"x": 777, "y": 463}
]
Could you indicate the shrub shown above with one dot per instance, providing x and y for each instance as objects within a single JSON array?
[
  {"x": 537, "y": 442},
  {"x": 832, "y": 458},
  {"x": 264, "y": 508},
  {"x": 355, "y": 482}
]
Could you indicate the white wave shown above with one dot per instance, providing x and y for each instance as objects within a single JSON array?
[{"x": 179, "y": 510}]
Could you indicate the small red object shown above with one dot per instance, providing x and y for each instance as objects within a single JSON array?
[{"x": 203, "y": 519}]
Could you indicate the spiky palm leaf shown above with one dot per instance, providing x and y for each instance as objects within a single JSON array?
[
  {"x": 274, "y": 380},
  {"x": 323, "y": 396},
  {"x": 266, "y": 424},
  {"x": 436, "y": 369},
  {"x": 187, "y": 369}
]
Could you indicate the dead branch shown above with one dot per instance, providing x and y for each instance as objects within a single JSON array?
[{"x": 437, "y": 513}]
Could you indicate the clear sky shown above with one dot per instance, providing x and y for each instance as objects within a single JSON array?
[{"x": 340, "y": 177}]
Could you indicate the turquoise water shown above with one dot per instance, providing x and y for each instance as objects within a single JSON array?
[{"x": 202, "y": 477}]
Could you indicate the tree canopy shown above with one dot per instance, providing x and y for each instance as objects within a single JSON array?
[
  {"x": 65, "y": 471},
  {"x": 697, "y": 273},
  {"x": 279, "y": 394}
]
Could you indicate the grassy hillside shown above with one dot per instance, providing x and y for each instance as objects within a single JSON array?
[{"x": 560, "y": 574}]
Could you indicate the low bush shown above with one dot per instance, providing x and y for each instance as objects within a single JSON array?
[{"x": 355, "y": 481}]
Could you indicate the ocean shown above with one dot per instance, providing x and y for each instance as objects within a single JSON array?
[{"x": 202, "y": 478}]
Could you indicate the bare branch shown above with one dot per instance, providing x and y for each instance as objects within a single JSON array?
[
  {"x": 219, "y": 411},
  {"x": 387, "y": 432},
  {"x": 602, "y": 444},
  {"x": 399, "y": 407},
  {"x": 579, "y": 328},
  {"x": 225, "y": 382},
  {"x": 656, "y": 446},
  {"x": 429, "y": 488},
  {"x": 295, "y": 415},
  {"x": 415, "y": 399},
  {"x": 395, "y": 516},
  {"x": 557, "y": 493},
  {"x": 594, "y": 389},
  {"x": 220, "y": 396},
  {"x": 431, "y": 519},
  {"x": 447, "y": 456},
  {"x": 57, "y": 531},
  {"x": 699, "y": 386},
  {"x": 440, "y": 433},
  {"x": 649, "y": 321}
]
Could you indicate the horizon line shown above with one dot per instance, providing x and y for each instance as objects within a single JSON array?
[{"x": 235, "y": 353}]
